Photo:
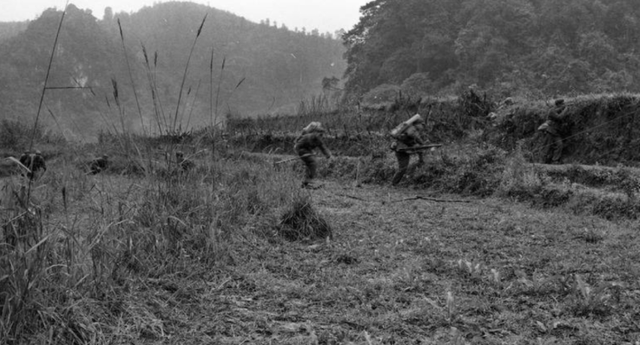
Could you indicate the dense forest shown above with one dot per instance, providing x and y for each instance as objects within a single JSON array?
[
  {"x": 529, "y": 48},
  {"x": 171, "y": 67}
]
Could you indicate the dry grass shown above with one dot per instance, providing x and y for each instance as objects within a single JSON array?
[
  {"x": 75, "y": 244},
  {"x": 199, "y": 257},
  {"x": 302, "y": 222}
]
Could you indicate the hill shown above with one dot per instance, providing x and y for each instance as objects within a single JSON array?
[
  {"x": 526, "y": 48},
  {"x": 175, "y": 65},
  {"x": 11, "y": 29}
]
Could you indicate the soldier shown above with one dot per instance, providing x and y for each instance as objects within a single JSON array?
[
  {"x": 310, "y": 139},
  {"x": 34, "y": 161},
  {"x": 406, "y": 136},
  {"x": 183, "y": 163},
  {"x": 552, "y": 128},
  {"x": 99, "y": 164}
]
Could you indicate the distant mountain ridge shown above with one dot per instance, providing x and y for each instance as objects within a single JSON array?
[{"x": 233, "y": 66}]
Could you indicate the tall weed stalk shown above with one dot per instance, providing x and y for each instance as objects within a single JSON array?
[
  {"x": 184, "y": 76},
  {"x": 133, "y": 84}
]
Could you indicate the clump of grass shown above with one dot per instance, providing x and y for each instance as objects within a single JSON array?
[
  {"x": 302, "y": 222},
  {"x": 591, "y": 235},
  {"x": 591, "y": 300},
  {"x": 518, "y": 177}
]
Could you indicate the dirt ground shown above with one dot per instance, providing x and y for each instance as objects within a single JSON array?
[{"x": 407, "y": 270}]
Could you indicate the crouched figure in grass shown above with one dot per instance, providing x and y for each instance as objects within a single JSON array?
[
  {"x": 34, "y": 161},
  {"x": 309, "y": 140},
  {"x": 407, "y": 136},
  {"x": 184, "y": 164},
  {"x": 98, "y": 165}
]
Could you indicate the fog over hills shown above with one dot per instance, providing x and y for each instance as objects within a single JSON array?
[{"x": 172, "y": 66}]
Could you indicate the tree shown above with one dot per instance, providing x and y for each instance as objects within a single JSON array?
[{"x": 533, "y": 45}]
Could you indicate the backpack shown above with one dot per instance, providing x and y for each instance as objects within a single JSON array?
[{"x": 400, "y": 129}]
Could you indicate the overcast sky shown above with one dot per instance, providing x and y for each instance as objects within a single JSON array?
[{"x": 324, "y": 15}]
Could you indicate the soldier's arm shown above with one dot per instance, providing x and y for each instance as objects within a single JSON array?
[
  {"x": 554, "y": 115},
  {"x": 323, "y": 148},
  {"x": 43, "y": 164},
  {"x": 564, "y": 112},
  {"x": 413, "y": 132}
]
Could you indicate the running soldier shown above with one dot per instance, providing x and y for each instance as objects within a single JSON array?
[
  {"x": 309, "y": 140},
  {"x": 407, "y": 136}
]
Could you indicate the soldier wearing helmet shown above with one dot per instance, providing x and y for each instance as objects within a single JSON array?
[
  {"x": 34, "y": 161},
  {"x": 407, "y": 135},
  {"x": 99, "y": 164},
  {"x": 309, "y": 140},
  {"x": 552, "y": 127}
]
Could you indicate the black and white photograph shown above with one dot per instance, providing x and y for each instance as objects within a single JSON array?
[{"x": 321, "y": 172}]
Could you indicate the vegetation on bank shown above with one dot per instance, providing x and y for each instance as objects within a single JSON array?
[{"x": 598, "y": 129}]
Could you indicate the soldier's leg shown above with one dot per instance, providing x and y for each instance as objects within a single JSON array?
[
  {"x": 547, "y": 149},
  {"x": 557, "y": 149},
  {"x": 310, "y": 173},
  {"x": 403, "y": 164}
]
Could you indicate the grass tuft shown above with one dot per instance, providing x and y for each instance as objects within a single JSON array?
[{"x": 302, "y": 222}]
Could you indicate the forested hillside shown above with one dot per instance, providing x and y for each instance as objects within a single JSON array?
[
  {"x": 531, "y": 48},
  {"x": 169, "y": 67},
  {"x": 8, "y": 30}
]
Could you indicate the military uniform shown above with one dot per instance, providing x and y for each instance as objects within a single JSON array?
[
  {"x": 409, "y": 138},
  {"x": 99, "y": 164},
  {"x": 552, "y": 128},
  {"x": 309, "y": 140},
  {"x": 34, "y": 161}
]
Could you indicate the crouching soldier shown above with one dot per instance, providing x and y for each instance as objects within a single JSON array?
[
  {"x": 552, "y": 128},
  {"x": 34, "y": 161},
  {"x": 98, "y": 165},
  {"x": 309, "y": 140},
  {"x": 407, "y": 136}
]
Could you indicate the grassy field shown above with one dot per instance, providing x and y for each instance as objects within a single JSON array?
[{"x": 159, "y": 256}]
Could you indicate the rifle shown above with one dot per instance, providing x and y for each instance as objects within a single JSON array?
[
  {"x": 419, "y": 148},
  {"x": 420, "y": 197},
  {"x": 22, "y": 166},
  {"x": 292, "y": 159}
]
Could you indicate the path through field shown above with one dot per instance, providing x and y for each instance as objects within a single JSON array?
[{"x": 472, "y": 271}]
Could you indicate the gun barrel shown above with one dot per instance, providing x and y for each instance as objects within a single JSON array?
[
  {"x": 421, "y": 147},
  {"x": 293, "y": 158}
]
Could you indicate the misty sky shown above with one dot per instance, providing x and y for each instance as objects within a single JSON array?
[{"x": 324, "y": 15}]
